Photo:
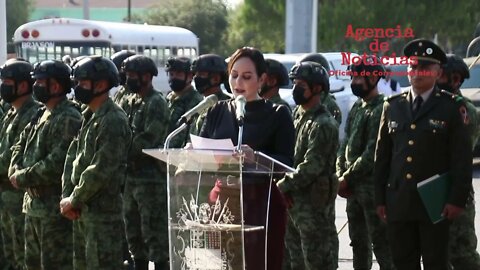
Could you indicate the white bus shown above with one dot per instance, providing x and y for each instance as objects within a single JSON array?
[{"x": 55, "y": 38}]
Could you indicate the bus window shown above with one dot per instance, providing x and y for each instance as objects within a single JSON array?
[
  {"x": 174, "y": 51},
  {"x": 180, "y": 52}
]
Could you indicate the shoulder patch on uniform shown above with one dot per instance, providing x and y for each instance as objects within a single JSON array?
[
  {"x": 464, "y": 114},
  {"x": 392, "y": 97}
]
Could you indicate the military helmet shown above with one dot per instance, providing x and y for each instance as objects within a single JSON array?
[
  {"x": 96, "y": 68},
  {"x": 178, "y": 64},
  {"x": 209, "y": 63},
  {"x": 77, "y": 59},
  {"x": 455, "y": 64},
  {"x": 368, "y": 64},
  {"x": 16, "y": 69},
  {"x": 53, "y": 69},
  {"x": 276, "y": 68},
  {"x": 317, "y": 58},
  {"x": 140, "y": 64},
  {"x": 311, "y": 72},
  {"x": 120, "y": 56}
]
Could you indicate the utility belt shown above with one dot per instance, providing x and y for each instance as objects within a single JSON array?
[
  {"x": 5, "y": 186},
  {"x": 44, "y": 191}
]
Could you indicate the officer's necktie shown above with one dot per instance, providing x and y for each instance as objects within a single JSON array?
[{"x": 417, "y": 103}]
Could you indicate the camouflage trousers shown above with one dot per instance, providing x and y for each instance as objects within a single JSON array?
[
  {"x": 97, "y": 244},
  {"x": 145, "y": 216},
  {"x": 311, "y": 238},
  {"x": 463, "y": 240},
  {"x": 13, "y": 224},
  {"x": 48, "y": 243},
  {"x": 366, "y": 230}
]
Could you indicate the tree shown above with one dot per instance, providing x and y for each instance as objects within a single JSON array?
[
  {"x": 262, "y": 23},
  {"x": 18, "y": 12},
  {"x": 206, "y": 18}
]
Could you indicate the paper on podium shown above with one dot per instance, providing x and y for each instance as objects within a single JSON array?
[{"x": 211, "y": 144}]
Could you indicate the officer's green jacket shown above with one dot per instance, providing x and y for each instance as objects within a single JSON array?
[
  {"x": 179, "y": 105},
  {"x": 356, "y": 154},
  {"x": 473, "y": 121},
  {"x": 40, "y": 153},
  {"x": 99, "y": 156},
  {"x": 122, "y": 98},
  {"x": 148, "y": 120},
  {"x": 411, "y": 148},
  {"x": 316, "y": 145},
  {"x": 328, "y": 100},
  {"x": 13, "y": 123}
]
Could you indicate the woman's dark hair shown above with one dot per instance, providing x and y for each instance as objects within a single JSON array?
[{"x": 253, "y": 54}]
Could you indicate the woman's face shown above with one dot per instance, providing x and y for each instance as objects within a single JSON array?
[{"x": 244, "y": 80}]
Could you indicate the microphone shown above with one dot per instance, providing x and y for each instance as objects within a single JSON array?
[
  {"x": 240, "y": 102},
  {"x": 201, "y": 107}
]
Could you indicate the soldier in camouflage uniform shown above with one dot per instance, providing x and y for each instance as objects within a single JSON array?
[
  {"x": 327, "y": 99},
  {"x": 94, "y": 164},
  {"x": 122, "y": 95},
  {"x": 355, "y": 170},
  {"x": 463, "y": 239},
  {"x": 210, "y": 71},
  {"x": 311, "y": 239},
  {"x": 182, "y": 98},
  {"x": 16, "y": 89},
  {"x": 145, "y": 198},
  {"x": 277, "y": 76},
  {"x": 36, "y": 166}
]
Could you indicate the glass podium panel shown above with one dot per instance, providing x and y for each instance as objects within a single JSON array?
[{"x": 216, "y": 200}]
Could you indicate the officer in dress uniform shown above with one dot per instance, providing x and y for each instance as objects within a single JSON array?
[{"x": 423, "y": 132}]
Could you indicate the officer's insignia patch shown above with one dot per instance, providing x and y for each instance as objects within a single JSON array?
[{"x": 464, "y": 114}]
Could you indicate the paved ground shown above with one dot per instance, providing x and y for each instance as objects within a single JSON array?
[{"x": 345, "y": 255}]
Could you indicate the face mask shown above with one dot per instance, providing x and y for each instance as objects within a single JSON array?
[
  {"x": 7, "y": 92},
  {"x": 264, "y": 89},
  {"x": 202, "y": 84},
  {"x": 177, "y": 85},
  {"x": 83, "y": 95},
  {"x": 357, "y": 90},
  {"x": 134, "y": 85},
  {"x": 41, "y": 93},
  {"x": 298, "y": 95}
]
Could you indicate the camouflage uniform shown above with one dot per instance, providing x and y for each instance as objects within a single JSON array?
[
  {"x": 463, "y": 239},
  {"x": 278, "y": 100},
  {"x": 197, "y": 126},
  {"x": 13, "y": 123},
  {"x": 122, "y": 97},
  {"x": 179, "y": 105},
  {"x": 99, "y": 160},
  {"x": 313, "y": 188},
  {"x": 328, "y": 100},
  {"x": 40, "y": 153},
  {"x": 355, "y": 164},
  {"x": 145, "y": 198}
]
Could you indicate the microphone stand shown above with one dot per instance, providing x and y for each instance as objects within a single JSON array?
[
  {"x": 240, "y": 136},
  {"x": 173, "y": 134}
]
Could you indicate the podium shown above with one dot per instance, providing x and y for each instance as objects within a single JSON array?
[{"x": 216, "y": 200}]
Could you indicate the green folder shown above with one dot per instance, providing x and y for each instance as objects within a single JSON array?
[{"x": 434, "y": 193}]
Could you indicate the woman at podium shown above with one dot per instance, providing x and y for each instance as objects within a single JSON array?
[{"x": 267, "y": 128}]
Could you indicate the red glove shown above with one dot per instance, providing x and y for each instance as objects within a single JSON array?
[{"x": 343, "y": 189}]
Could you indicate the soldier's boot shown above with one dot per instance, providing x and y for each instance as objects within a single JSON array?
[
  {"x": 162, "y": 266},
  {"x": 141, "y": 264}
]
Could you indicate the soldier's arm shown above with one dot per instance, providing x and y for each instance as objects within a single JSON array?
[
  {"x": 112, "y": 140},
  {"x": 67, "y": 185},
  {"x": 364, "y": 164},
  {"x": 49, "y": 169},
  {"x": 154, "y": 130},
  {"x": 18, "y": 149},
  {"x": 322, "y": 143},
  {"x": 460, "y": 159},
  {"x": 383, "y": 157},
  {"x": 340, "y": 163}
]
